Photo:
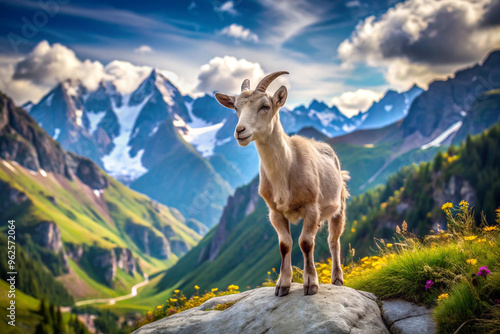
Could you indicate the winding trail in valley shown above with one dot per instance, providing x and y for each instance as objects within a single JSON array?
[{"x": 112, "y": 301}]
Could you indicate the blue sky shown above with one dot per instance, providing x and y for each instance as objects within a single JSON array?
[{"x": 330, "y": 48}]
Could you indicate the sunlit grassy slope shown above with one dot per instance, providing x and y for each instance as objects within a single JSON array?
[{"x": 86, "y": 217}]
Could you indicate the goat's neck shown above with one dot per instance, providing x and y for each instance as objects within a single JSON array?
[{"x": 275, "y": 152}]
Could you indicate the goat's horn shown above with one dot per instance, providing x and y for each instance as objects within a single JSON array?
[
  {"x": 245, "y": 84},
  {"x": 264, "y": 83}
]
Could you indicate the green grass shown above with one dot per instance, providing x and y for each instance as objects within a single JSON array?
[
  {"x": 405, "y": 268},
  {"x": 85, "y": 219},
  {"x": 26, "y": 306}
]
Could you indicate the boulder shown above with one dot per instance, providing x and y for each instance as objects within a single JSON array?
[
  {"x": 332, "y": 310},
  {"x": 403, "y": 317}
]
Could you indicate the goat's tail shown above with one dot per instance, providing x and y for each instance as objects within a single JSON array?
[{"x": 345, "y": 193}]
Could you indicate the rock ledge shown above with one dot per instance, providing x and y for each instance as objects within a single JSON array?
[{"x": 332, "y": 310}]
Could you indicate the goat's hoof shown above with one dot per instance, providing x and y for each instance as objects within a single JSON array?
[
  {"x": 281, "y": 291},
  {"x": 338, "y": 282},
  {"x": 310, "y": 290}
]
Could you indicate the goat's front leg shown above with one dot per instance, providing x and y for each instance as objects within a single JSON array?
[
  {"x": 306, "y": 241},
  {"x": 282, "y": 227}
]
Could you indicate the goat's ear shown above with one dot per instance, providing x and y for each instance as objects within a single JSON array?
[
  {"x": 226, "y": 100},
  {"x": 279, "y": 98}
]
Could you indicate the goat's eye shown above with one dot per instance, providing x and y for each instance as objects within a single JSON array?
[{"x": 265, "y": 108}]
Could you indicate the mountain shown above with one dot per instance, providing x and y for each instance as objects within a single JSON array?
[
  {"x": 244, "y": 245},
  {"x": 444, "y": 114},
  {"x": 391, "y": 108},
  {"x": 134, "y": 136},
  {"x": 96, "y": 236},
  {"x": 437, "y": 114}
]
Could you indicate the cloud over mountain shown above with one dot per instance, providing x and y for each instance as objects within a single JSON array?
[
  {"x": 46, "y": 65},
  {"x": 350, "y": 103},
  {"x": 225, "y": 74},
  {"x": 419, "y": 40}
]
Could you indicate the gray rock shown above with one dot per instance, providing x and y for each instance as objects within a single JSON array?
[
  {"x": 403, "y": 317},
  {"x": 332, "y": 310},
  {"x": 422, "y": 324}
]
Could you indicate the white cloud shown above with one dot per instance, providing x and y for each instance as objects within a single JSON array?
[
  {"x": 31, "y": 77},
  {"x": 143, "y": 49},
  {"x": 240, "y": 32},
  {"x": 419, "y": 40},
  {"x": 226, "y": 7},
  {"x": 47, "y": 65},
  {"x": 350, "y": 103},
  {"x": 226, "y": 75}
]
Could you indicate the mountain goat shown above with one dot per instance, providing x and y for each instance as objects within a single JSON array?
[{"x": 299, "y": 178}]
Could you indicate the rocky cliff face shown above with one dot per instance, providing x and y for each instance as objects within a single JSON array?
[
  {"x": 48, "y": 235},
  {"x": 151, "y": 243},
  {"x": 103, "y": 263},
  {"x": 446, "y": 103},
  {"x": 454, "y": 190},
  {"x": 241, "y": 204},
  {"x": 125, "y": 260},
  {"x": 23, "y": 141}
]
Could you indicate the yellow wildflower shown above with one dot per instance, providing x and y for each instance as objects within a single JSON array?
[
  {"x": 274, "y": 270},
  {"x": 197, "y": 287},
  {"x": 215, "y": 289},
  {"x": 233, "y": 287},
  {"x": 389, "y": 245},
  {"x": 383, "y": 205},
  {"x": 471, "y": 261},
  {"x": 464, "y": 204},
  {"x": 491, "y": 243},
  {"x": 173, "y": 300},
  {"x": 176, "y": 291},
  {"x": 159, "y": 306},
  {"x": 269, "y": 273},
  {"x": 353, "y": 230},
  {"x": 481, "y": 240},
  {"x": 470, "y": 237},
  {"x": 447, "y": 207},
  {"x": 490, "y": 228},
  {"x": 443, "y": 296},
  {"x": 325, "y": 272},
  {"x": 196, "y": 297}
]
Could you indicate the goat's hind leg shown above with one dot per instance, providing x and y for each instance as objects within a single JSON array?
[
  {"x": 282, "y": 227},
  {"x": 336, "y": 228},
  {"x": 306, "y": 241}
]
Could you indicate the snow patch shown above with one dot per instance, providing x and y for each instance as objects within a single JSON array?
[
  {"x": 203, "y": 139},
  {"x": 43, "y": 173},
  {"x": 119, "y": 163},
  {"x": 79, "y": 114},
  {"x": 388, "y": 107},
  {"x": 224, "y": 141},
  {"x": 325, "y": 117},
  {"x": 442, "y": 137},
  {"x": 57, "y": 131},
  {"x": 94, "y": 119},
  {"x": 196, "y": 122},
  {"x": 9, "y": 166},
  {"x": 97, "y": 193},
  {"x": 152, "y": 133},
  {"x": 166, "y": 89},
  {"x": 48, "y": 101}
]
